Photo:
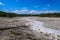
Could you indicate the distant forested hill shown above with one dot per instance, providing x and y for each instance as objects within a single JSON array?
[
  {"x": 50, "y": 15},
  {"x": 7, "y": 14}
]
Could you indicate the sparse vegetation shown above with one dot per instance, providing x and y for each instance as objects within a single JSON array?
[{"x": 6, "y": 14}]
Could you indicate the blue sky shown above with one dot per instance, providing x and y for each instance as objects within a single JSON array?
[{"x": 30, "y": 6}]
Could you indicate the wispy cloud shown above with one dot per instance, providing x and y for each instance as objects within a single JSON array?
[
  {"x": 50, "y": 11},
  {"x": 17, "y": 0},
  {"x": 48, "y": 5},
  {"x": 34, "y": 12},
  {"x": 36, "y": 6},
  {"x": 23, "y": 11},
  {"x": 26, "y": 11},
  {"x": 2, "y": 3}
]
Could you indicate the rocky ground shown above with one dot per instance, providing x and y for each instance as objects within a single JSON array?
[
  {"x": 49, "y": 22},
  {"x": 18, "y": 29},
  {"x": 15, "y": 29}
]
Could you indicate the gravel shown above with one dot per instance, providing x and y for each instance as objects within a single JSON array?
[{"x": 29, "y": 28}]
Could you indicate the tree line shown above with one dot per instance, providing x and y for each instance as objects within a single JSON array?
[
  {"x": 50, "y": 15},
  {"x": 7, "y": 14}
]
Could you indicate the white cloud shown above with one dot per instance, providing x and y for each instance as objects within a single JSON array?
[
  {"x": 50, "y": 11},
  {"x": 20, "y": 11},
  {"x": 16, "y": 11},
  {"x": 33, "y": 11},
  {"x": 2, "y": 3},
  {"x": 23, "y": 11}
]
